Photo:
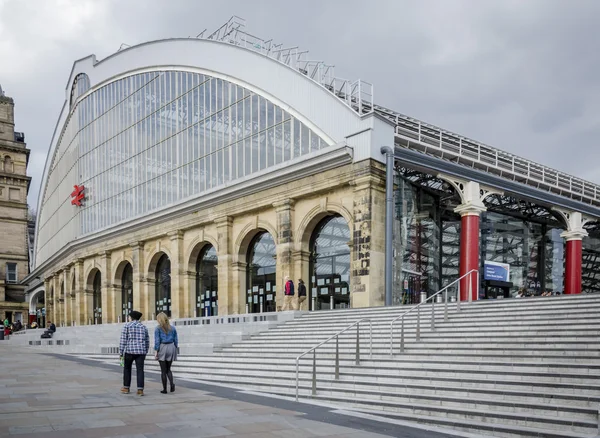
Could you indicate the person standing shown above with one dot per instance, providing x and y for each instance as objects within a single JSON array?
[
  {"x": 301, "y": 293},
  {"x": 288, "y": 303},
  {"x": 165, "y": 347},
  {"x": 134, "y": 345}
]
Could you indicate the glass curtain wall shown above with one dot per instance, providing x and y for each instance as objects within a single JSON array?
[
  {"x": 163, "y": 285},
  {"x": 427, "y": 242},
  {"x": 261, "y": 278},
  {"x": 207, "y": 283},
  {"x": 591, "y": 262}
]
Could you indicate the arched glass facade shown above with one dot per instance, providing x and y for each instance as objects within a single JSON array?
[
  {"x": 126, "y": 292},
  {"x": 80, "y": 85},
  {"x": 163, "y": 285},
  {"x": 97, "y": 298},
  {"x": 330, "y": 264},
  {"x": 207, "y": 283},
  {"x": 152, "y": 140},
  {"x": 261, "y": 274}
]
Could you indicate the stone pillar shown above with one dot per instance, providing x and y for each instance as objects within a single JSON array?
[
  {"x": 190, "y": 293},
  {"x": 64, "y": 314},
  {"x": 238, "y": 287},
  {"x": 284, "y": 266},
  {"x": 139, "y": 295},
  {"x": 108, "y": 310},
  {"x": 574, "y": 236},
  {"x": 48, "y": 299},
  {"x": 225, "y": 249},
  {"x": 178, "y": 309},
  {"x": 301, "y": 260},
  {"x": 80, "y": 303},
  {"x": 368, "y": 243},
  {"x": 471, "y": 208}
]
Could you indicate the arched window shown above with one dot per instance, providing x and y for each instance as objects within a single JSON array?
[
  {"x": 207, "y": 283},
  {"x": 329, "y": 283},
  {"x": 126, "y": 291},
  {"x": 163, "y": 285},
  {"x": 260, "y": 294},
  {"x": 97, "y": 298}
]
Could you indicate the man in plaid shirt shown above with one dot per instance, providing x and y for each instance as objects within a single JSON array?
[{"x": 134, "y": 345}]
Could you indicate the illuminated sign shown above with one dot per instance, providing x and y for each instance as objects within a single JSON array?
[{"x": 496, "y": 271}]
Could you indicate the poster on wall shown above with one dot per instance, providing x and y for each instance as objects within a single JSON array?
[{"x": 496, "y": 271}]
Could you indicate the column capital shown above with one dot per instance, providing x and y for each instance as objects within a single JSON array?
[
  {"x": 239, "y": 265},
  {"x": 284, "y": 204},
  {"x": 105, "y": 254},
  {"x": 574, "y": 234},
  {"x": 223, "y": 221},
  {"x": 177, "y": 234},
  {"x": 137, "y": 245},
  {"x": 470, "y": 209}
]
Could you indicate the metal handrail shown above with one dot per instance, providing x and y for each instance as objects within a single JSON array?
[
  {"x": 337, "y": 353},
  {"x": 418, "y": 308}
]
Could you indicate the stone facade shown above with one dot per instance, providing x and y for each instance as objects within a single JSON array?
[
  {"x": 14, "y": 185},
  {"x": 289, "y": 212}
]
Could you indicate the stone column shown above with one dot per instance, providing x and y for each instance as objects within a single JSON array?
[
  {"x": 301, "y": 260},
  {"x": 284, "y": 210},
  {"x": 225, "y": 249},
  {"x": 574, "y": 251},
  {"x": 238, "y": 287},
  {"x": 189, "y": 278},
  {"x": 80, "y": 303},
  {"x": 139, "y": 295},
  {"x": 48, "y": 298},
  {"x": 368, "y": 251},
  {"x": 178, "y": 309},
  {"x": 64, "y": 314},
  {"x": 108, "y": 310}
]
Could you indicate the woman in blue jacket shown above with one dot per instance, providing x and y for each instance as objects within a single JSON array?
[{"x": 165, "y": 347}]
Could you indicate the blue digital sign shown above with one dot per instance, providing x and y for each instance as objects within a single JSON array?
[{"x": 496, "y": 271}]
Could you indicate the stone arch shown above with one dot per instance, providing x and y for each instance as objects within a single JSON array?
[
  {"x": 122, "y": 264},
  {"x": 91, "y": 275},
  {"x": 33, "y": 298},
  {"x": 150, "y": 270},
  {"x": 248, "y": 233},
  {"x": 62, "y": 290},
  {"x": 314, "y": 217},
  {"x": 196, "y": 248}
]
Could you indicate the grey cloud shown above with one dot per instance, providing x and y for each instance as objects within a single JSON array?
[{"x": 521, "y": 76}]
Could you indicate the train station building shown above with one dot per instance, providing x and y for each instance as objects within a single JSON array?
[{"x": 193, "y": 175}]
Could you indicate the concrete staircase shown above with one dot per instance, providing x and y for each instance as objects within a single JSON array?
[{"x": 527, "y": 367}]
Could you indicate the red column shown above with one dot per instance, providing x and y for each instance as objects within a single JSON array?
[
  {"x": 573, "y": 266},
  {"x": 469, "y": 255}
]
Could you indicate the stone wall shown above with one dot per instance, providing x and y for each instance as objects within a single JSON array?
[{"x": 290, "y": 213}]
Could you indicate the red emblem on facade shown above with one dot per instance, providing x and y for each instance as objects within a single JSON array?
[{"x": 78, "y": 195}]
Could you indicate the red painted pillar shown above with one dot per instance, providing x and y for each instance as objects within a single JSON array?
[
  {"x": 573, "y": 266},
  {"x": 469, "y": 254}
]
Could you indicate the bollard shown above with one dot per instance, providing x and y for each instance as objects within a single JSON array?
[{"x": 331, "y": 302}]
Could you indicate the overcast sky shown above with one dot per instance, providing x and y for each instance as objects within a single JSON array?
[{"x": 521, "y": 76}]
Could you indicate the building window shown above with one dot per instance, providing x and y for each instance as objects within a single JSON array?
[{"x": 11, "y": 273}]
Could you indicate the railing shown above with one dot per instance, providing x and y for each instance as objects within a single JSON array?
[
  {"x": 337, "y": 353},
  {"x": 417, "y": 308},
  {"x": 432, "y": 138}
]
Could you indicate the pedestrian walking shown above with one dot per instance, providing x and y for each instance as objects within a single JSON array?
[
  {"x": 288, "y": 303},
  {"x": 165, "y": 348},
  {"x": 133, "y": 347},
  {"x": 301, "y": 293}
]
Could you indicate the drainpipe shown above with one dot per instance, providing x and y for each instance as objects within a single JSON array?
[{"x": 389, "y": 218}]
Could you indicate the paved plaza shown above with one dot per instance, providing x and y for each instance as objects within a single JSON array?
[{"x": 50, "y": 396}]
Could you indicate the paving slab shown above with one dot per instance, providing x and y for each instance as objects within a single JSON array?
[{"x": 54, "y": 396}]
